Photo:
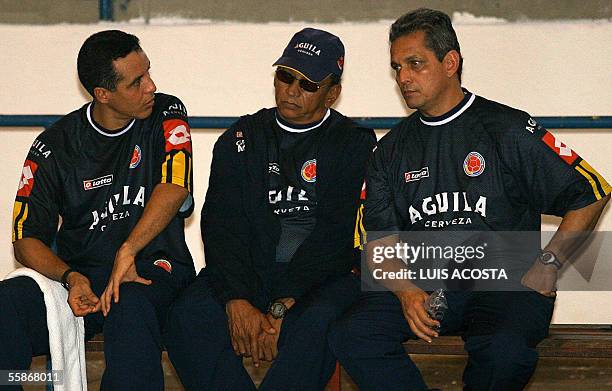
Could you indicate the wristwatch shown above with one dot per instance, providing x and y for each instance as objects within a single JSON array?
[
  {"x": 278, "y": 310},
  {"x": 549, "y": 258},
  {"x": 64, "y": 279}
]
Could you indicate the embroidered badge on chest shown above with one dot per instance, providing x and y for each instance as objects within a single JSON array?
[
  {"x": 474, "y": 164},
  {"x": 136, "y": 157},
  {"x": 309, "y": 171}
]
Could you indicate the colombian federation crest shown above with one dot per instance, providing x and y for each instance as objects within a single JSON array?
[
  {"x": 474, "y": 164},
  {"x": 164, "y": 264},
  {"x": 309, "y": 171},
  {"x": 136, "y": 157}
]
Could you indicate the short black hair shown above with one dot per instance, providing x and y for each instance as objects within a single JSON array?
[
  {"x": 440, "y": 36},
  {"x": 95, "y": 60}
]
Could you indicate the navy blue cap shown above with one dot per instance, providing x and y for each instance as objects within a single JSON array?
[{"x": 314, "y": 53}]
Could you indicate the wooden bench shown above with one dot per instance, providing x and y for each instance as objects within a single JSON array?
[
  {"x": 578, "y": 341},
  {"x": 575, "y": 341}
]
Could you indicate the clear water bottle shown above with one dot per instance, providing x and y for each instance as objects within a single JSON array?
[{"x": 436, "y": 306}]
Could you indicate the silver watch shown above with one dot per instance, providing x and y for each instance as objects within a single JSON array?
[
  {"x": 278, "y": 310},
  {"x": 549, "y": 258}
]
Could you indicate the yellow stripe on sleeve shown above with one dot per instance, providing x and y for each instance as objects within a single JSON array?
[
  {"x": 19, "y": 208},
  {"x": 360, "y": 233},
  {"x": 188, "y": 180},
  {"x": 164, "y": 177},
  {"x": 605, "y": 186},
  {"x": 179, "y": 162},
  {"x": 177, "y": 169},
  {"x": 591, "y": 182}
]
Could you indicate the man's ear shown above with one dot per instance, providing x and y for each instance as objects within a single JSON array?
[
  {"x": 101, "y": 94},
  {"x": 451, "y": 62},
  {"x": 332, "y": 95}
]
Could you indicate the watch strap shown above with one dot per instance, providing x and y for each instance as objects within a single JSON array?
[{"x": 64, "y": 279}]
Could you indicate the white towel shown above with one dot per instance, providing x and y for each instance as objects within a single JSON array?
[{"x": 66, "y": 332}]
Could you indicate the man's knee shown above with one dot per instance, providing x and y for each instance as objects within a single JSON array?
[
  {"x": 180, "y": 315},
  {"x": 134, "y": 309},
  {"x": 317, "y": 318},
  {"x": 345, "y": 337},
  {"x": 132, "y": 297},
  {"x": 186, "y": 312},
  {"x": 513, "y": 354},
  {"x": 22, "y": 300},
  {"x": 23, "y": 330},
  {"x": 506, "y": 352},
  {"x": 7, "y": 296},
  {"x": 193, "y": 314},
  {"x": 19, "y": 288}
]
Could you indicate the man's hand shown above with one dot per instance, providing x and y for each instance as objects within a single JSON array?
[
  {"x": 268, "y": 342},
  {"x": 573, "y": 231},
  {"x": 163, "y": 205},
  {"x": 246, "y": 323},
  {"x": 542, "y": 279},
  {"x": 81, "y": 299},
  {"x": 416, "y": 315},
  {"x": 124, "y": 270}
]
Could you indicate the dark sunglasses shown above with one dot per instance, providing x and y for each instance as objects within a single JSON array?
[{"x": 288, "y": 78}]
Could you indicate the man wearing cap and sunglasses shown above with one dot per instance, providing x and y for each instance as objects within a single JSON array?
[{"x": 277, "y": 226}]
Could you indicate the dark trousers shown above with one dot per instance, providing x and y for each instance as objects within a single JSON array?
[
  {"x": 199, "y": 344},
  {"x": 500, "y": 329},
  {"x": 132, "y": 330}
]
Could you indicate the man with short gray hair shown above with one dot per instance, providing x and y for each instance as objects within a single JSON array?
[{"x": 462, "y": 163}]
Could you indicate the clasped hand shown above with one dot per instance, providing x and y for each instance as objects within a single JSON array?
[{"x": 253, "y": 333}]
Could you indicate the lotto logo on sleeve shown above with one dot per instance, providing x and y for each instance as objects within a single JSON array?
[
  {"x": 559, "y": 148},
  {"x": 26, "y": 182},
  {"x": 176, "y": 132}
]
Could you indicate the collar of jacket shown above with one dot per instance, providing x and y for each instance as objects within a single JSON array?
[{"x": 255, "y": 129}]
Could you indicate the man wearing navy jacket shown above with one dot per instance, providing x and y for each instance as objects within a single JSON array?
[{"x": 277, "y": 226}]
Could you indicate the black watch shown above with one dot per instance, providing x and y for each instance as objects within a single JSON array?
[
  {"x": 278, "y": 310},
  {"x": 549, "y": 258},
  {"x": 64, "y": 279}
]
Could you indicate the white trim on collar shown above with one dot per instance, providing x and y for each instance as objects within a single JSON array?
[
  {"x": 452, "y": 117},
  {"x": 293, "y": 130},
  {"x": 92, "y": 123}
]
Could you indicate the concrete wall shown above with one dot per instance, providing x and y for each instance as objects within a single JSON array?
[
  {"x": 223, "y": 69},
  {"x": 86, "y": 11}
]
